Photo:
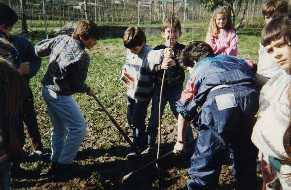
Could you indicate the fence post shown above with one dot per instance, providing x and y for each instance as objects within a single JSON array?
[
  {"x": 85, "y": 9},
  {"x": 185, "y": 10},
  {"x": 138, "y": 13},
  {"x": 95, "y": 11},
  {"x": 23, "y": 17},
  {"x": 45, "y": 17}
]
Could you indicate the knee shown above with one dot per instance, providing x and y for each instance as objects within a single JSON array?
[{"x": 79, "y": 129}]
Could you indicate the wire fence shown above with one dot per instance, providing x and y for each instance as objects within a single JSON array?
[{"x": 57, "y": 13}]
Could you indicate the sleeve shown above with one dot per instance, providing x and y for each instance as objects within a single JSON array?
[
  {"x": 187, "y": 105},
  {"x": 154, "y": 59},
  {"x": 44, "y": 47},
  {"x": 32, "y": 58},
  {"x": 233, "y": 41}
]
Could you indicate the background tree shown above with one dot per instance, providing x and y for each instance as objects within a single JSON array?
[{"x": 24, "y": 29}]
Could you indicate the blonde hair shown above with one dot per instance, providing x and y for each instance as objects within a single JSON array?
[{"x": 213, "y": 29}]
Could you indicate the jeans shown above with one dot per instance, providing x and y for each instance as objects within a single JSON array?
[
  {"x": 136, "y": 115},
  {"x": 170, "y": 94},
  {"x": 5, "y": 175},
  {"x": 224, "y": 129},
  {"x": 69, "y": 127}
]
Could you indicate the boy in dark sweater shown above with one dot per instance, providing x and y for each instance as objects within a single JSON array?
[
  {"x": 138, "y": 76},
  {"x": 174, "y": 78}
]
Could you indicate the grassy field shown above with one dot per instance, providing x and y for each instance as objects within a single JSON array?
[{"x": 102, "y": 159}]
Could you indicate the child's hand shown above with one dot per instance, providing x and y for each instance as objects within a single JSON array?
[
  {"x": 168, "y": 60},
  {"x": 126, "y": 78},
  {"x": 178, "y": 148},
  {"x": 167, "y": 63},
  {"x": 23, "y": 68},
  {"x": 168, "y": 53},
  {"x": 91, "y": 92}
]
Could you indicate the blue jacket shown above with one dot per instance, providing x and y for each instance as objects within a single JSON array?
[
  {"x": 26, "y": 52},
  {"x": 208, "y": 73}
]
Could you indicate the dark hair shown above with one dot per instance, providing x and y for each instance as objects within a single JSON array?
[
  {"x": 277, "y": 28},
  {"x": 8, "y": 16},
  {"x": 273, "y": 8},
  {"x": 133, "y": 37},
  {"x": 85, "y": 29},
  {"x": 172, "y": 22},
  {"x": 193, "y": 52}
]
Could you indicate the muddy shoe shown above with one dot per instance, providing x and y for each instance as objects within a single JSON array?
[{"x": 60, "y": 172}]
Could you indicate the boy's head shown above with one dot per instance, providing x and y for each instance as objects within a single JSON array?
[
  {"x": 134, "y": 39},
  {"x": 8, "y": 18},
  {"x": 276, "y": 37},
  {"x": 194, "y": 52},
  {"x": 87, "y": 32},
  {"x": 274, "y": 8},
  {"x": 171, "y": 31}
]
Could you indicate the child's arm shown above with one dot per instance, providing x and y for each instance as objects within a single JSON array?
[
  {"x": 44, "y": 47},
  {"x": 126, "y": 78},
  {"x": 217, "y": 46},
  {"x": 233, "y": 41}
]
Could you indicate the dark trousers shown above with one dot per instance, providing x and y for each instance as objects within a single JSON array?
[
  {"x": 170, "y": 94},
  {"x": 136, "y": 115},
  {"x": 29, "y": 120},
  {"x": 224, "y": 128}
]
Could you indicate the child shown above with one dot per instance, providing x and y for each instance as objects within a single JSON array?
[
  {"x": 221, "y": 34},
  {"x": 10, "y": 109},
  {"x": 27, "y": 65},
  {"x": 174, "y": 78},
  {"x": 221, "y": 100},
  {"x": 266, "y": 65},
  {"x": 66, "y": 75},
  {"x": 274, "y": 112},
  {"x": 137, "y": 75}
]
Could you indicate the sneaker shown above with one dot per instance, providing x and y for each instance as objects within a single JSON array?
[
  {"x": 131, "y": 155},
  {"x": 36, "y": 153},
  {"x": 148, "y": 150}
]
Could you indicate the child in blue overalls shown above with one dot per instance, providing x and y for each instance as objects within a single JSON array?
[{"x": 221, "y": 99}]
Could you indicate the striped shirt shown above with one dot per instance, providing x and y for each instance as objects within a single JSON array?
[
  {"x": 68, "y": 64},
  {"x": 139, "y": 71}
]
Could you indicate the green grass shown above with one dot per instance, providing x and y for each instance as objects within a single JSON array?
[{"x": 104, "y": 72}]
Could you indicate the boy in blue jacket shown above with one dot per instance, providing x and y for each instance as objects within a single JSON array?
[{"x": 221, "y": 99}]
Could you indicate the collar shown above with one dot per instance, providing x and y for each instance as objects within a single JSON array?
[{"x": 79, "y": 42}]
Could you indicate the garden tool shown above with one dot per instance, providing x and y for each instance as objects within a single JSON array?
[
  {"x": 127, "y": 176},
  {"x": 117, "y": 126}
]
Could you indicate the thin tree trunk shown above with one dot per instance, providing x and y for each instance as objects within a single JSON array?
[
  {"x": 85, "y": 9},
  {"x": 24, "y": 29}
]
